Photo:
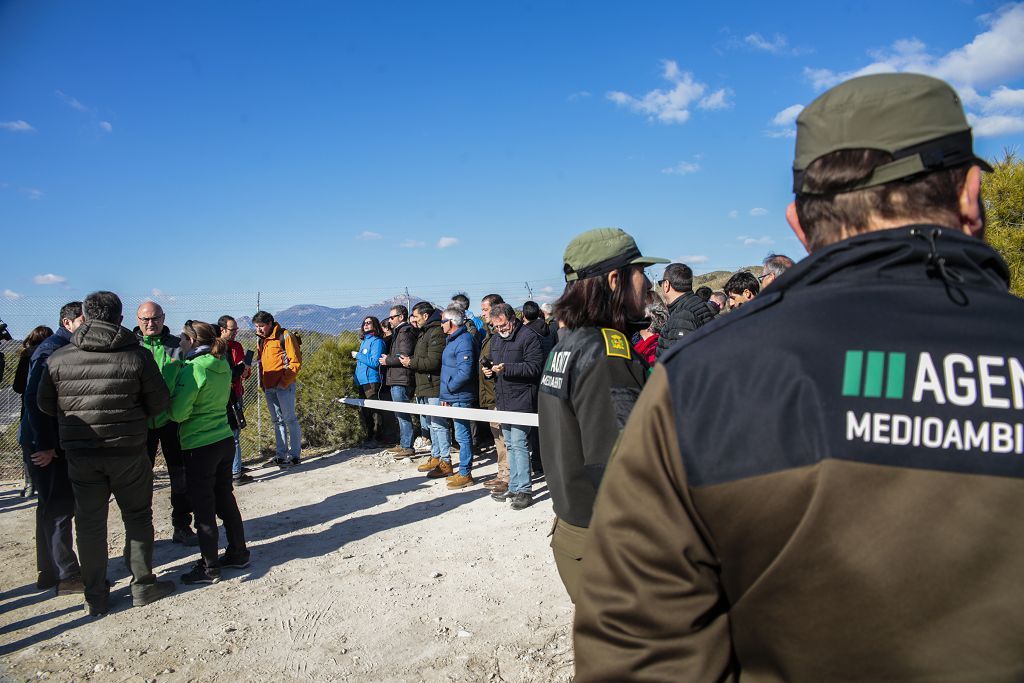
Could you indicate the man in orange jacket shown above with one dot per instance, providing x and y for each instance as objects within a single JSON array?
[{"x": 279, "y": 364}]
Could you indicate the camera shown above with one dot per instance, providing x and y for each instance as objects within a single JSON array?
[
  {"x": 486, "y": 363},
  {"x": 5, "y": 334}
]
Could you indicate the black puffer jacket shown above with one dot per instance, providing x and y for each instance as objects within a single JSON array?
[
  {"x": 426, "y": 358},
  {"x": 403, "y": 343},
  {"x": 102, "y": 387},
  {"x": 547, "y": 340},
  {"x": 685, "y": 315},
  {"x": 523, "y": 356}
]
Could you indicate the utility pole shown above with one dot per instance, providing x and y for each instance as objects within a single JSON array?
[
  {"x": 408, "y": 299},
  {"x": 529, "y": 290}
]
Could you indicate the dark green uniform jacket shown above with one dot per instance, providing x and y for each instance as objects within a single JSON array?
[
  {"x": 592, "y": 378},
  {"x": 426, "y": 358},
  {"x": 102, "y": 387},
  {"x": 166, "y": 350},
  {"x": 827, "y": 485}
]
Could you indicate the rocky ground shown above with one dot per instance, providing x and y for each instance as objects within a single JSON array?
[{"x": 362, "y": 570}]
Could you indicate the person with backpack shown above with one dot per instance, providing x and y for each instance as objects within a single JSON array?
[{"x": 280, "y": 358}]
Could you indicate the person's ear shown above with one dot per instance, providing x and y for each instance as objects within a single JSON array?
[
  {"x": 794, "y": 223},
  {"x": 972, "y": 216},
  {"x": 613, "y": 280}
]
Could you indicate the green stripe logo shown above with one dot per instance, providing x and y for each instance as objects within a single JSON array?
[{"x": 874, "y": 374}]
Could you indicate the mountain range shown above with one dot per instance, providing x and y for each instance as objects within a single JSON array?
[{"x": 329, "y": 320}]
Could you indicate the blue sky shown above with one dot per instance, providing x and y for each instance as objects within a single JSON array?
[{"x": 353, "y": 149}]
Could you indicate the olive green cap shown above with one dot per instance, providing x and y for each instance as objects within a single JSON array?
[
  {"x": 916, "y": 118},
  {"x": 600, "y": 251}
]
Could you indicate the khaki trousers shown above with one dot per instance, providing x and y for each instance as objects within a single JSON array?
[{"x": 567, "y": 547}]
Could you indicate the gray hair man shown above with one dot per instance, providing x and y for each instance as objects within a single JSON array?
[
  {"x": 102, "y": 387},
  {"x": 774, "y": 266}
]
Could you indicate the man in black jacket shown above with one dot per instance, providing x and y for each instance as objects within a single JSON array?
[
  {"x": 426, "y": 362},
  {"x": 102, "y": 387},
  {"x": 864, "y": 523},
  {"x": 518, "y": 361},
  {"x": 401, "y": 379},
  {"x": 686, "y": 310}
]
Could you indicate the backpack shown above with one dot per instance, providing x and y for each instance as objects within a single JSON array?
[{"x": 284, "y": 350}]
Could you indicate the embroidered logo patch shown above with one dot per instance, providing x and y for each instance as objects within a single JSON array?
[{"x": 615, "y": 343}]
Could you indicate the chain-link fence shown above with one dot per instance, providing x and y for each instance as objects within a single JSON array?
[{"x": 327, "y": 322}]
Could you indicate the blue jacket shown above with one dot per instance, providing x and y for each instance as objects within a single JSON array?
[
  {"x": 458, "y": 367},
  {"x": 367, "y": 365},
  {"x": 38, "y": 430}
]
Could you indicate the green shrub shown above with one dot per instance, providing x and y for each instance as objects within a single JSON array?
[{"x": 327, "y": 375}]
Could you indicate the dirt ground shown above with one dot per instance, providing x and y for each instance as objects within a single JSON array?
[{"x": 362, "y": 569}]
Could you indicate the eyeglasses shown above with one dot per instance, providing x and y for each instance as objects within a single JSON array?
[
  {"x": 151, "y": 320},
  {"x": 396, "y": 315}
]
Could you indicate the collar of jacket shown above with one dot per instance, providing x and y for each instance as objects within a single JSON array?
[
  {"x": 99, "y": 335},
  {"x": 164, "y": 333},
  {"x": 62, "y": 333},
  {"x": 679, "y": 301},
  {"x": 198, "y": 351},
  {"x": 913, "y": 253},
  {"x": 433, "y": 320}
]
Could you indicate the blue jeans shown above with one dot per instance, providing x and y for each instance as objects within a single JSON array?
[
  {"x": 439, "y": 446},
  {"x": 281, "y": 403},
  {"x": 401, "y": 395},
  {"x": 236, "y": 464},
  {"x": 464, "y": 437},
  {"x": 518, "y": 457}
]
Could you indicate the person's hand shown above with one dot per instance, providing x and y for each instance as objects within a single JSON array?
[
  {"x": 246, "y": 374},
  {"x": 445, "y": 403},
  {"x": 488, "y": 372},
  {"x": 43, "y": 458},
  {"x": 498, "y": 368},
  {"x": 355, "y": 354},
  {"x": 383, "y": 359},
  {"x": 405, "y": 361}
]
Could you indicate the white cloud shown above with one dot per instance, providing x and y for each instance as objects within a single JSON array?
[
  {"x": 758, "y": 42},
  {"x": 71, "y": 101},
  {"x": 682, "y": 168},
  {"x": 758, "y": 211},
  {"x": 581, "y": 95},
  {"x": 31, "y": 192},
  {"x": 366, "y": 235},
  {"x": 446, "y": 242},
  {"x": 762, "y": 241},
  {"x": 547, "y": 289},
  {"x": 106, "y": 127},
  {"x": 734, "y": 214},
  {"x": 411, "y": 244},
  {"x": 11, "y": 295},
  {"x": 997, "y": 124},
  {"x": 672, "y": 106},
  {"x": 49, "y": 279},
  {"x": 18, "y": 126},
  {"x": 695, "y": 259},
  {"x": 993, "y": 55},
  {"x": 787, "y": 117}
]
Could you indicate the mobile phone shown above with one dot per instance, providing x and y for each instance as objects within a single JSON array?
[{"x": 248, "y": 357}]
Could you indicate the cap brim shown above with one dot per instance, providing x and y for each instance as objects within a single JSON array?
[
  {"x": 985, "y": 166},
  {"x": 648, "y": 261}
]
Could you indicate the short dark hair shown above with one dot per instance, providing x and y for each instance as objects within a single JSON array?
[
  {"x": 776, "y": 264},
  {"x": 741, "y": 281},
  {"x": 591, "y": 302},
  {"x": 502, "y": 310},
  {"x": 423, "y": 308},
  {"x": 679, "y": 276},
  {"x": 102, "y": 305},
  {"x": 461, "y": 299},
  {"x": 531, "y": 311},
  {"x": 263, "y": 318},
  {"x": 223, "y": 321},
  {"x": 492, "y": 299},
  {"x": 704, "y": 292},
  {"x": 401, "y": 310},
  {"x": 929, "y": 198},
  {"x": 69, "y": 311}
]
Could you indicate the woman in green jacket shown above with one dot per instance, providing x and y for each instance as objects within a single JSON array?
[{"x": 208, "y": 448}]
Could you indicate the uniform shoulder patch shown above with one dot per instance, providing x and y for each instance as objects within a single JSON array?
[{"x": 615, "y": 343}]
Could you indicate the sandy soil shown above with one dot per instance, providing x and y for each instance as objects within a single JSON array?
[{"x": 362, "y": 570}]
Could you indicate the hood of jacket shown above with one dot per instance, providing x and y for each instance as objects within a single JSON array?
[
  {"x": 433, "y": 320},
  {"x": 99, "y": 335}
]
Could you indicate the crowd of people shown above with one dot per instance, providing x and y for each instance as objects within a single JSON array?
[
  {"x": 838, "y": 500},
  {"x": 100, "y": 400}
]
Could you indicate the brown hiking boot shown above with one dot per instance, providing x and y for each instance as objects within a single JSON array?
[
  {"x": 400, "y": 453},
  {"x": 498, "y": 487},
  {"x": 460, "y": 481},
  {"x": 443, "y": 469},
  {"x": 491, "y": 483},
  {"x": 429, "y": 465}
]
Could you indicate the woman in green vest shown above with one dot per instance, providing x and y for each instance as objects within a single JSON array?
[{"x": 207, "y": 446}]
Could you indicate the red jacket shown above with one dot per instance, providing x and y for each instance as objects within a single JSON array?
[{"x": 647, "y": 347}]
